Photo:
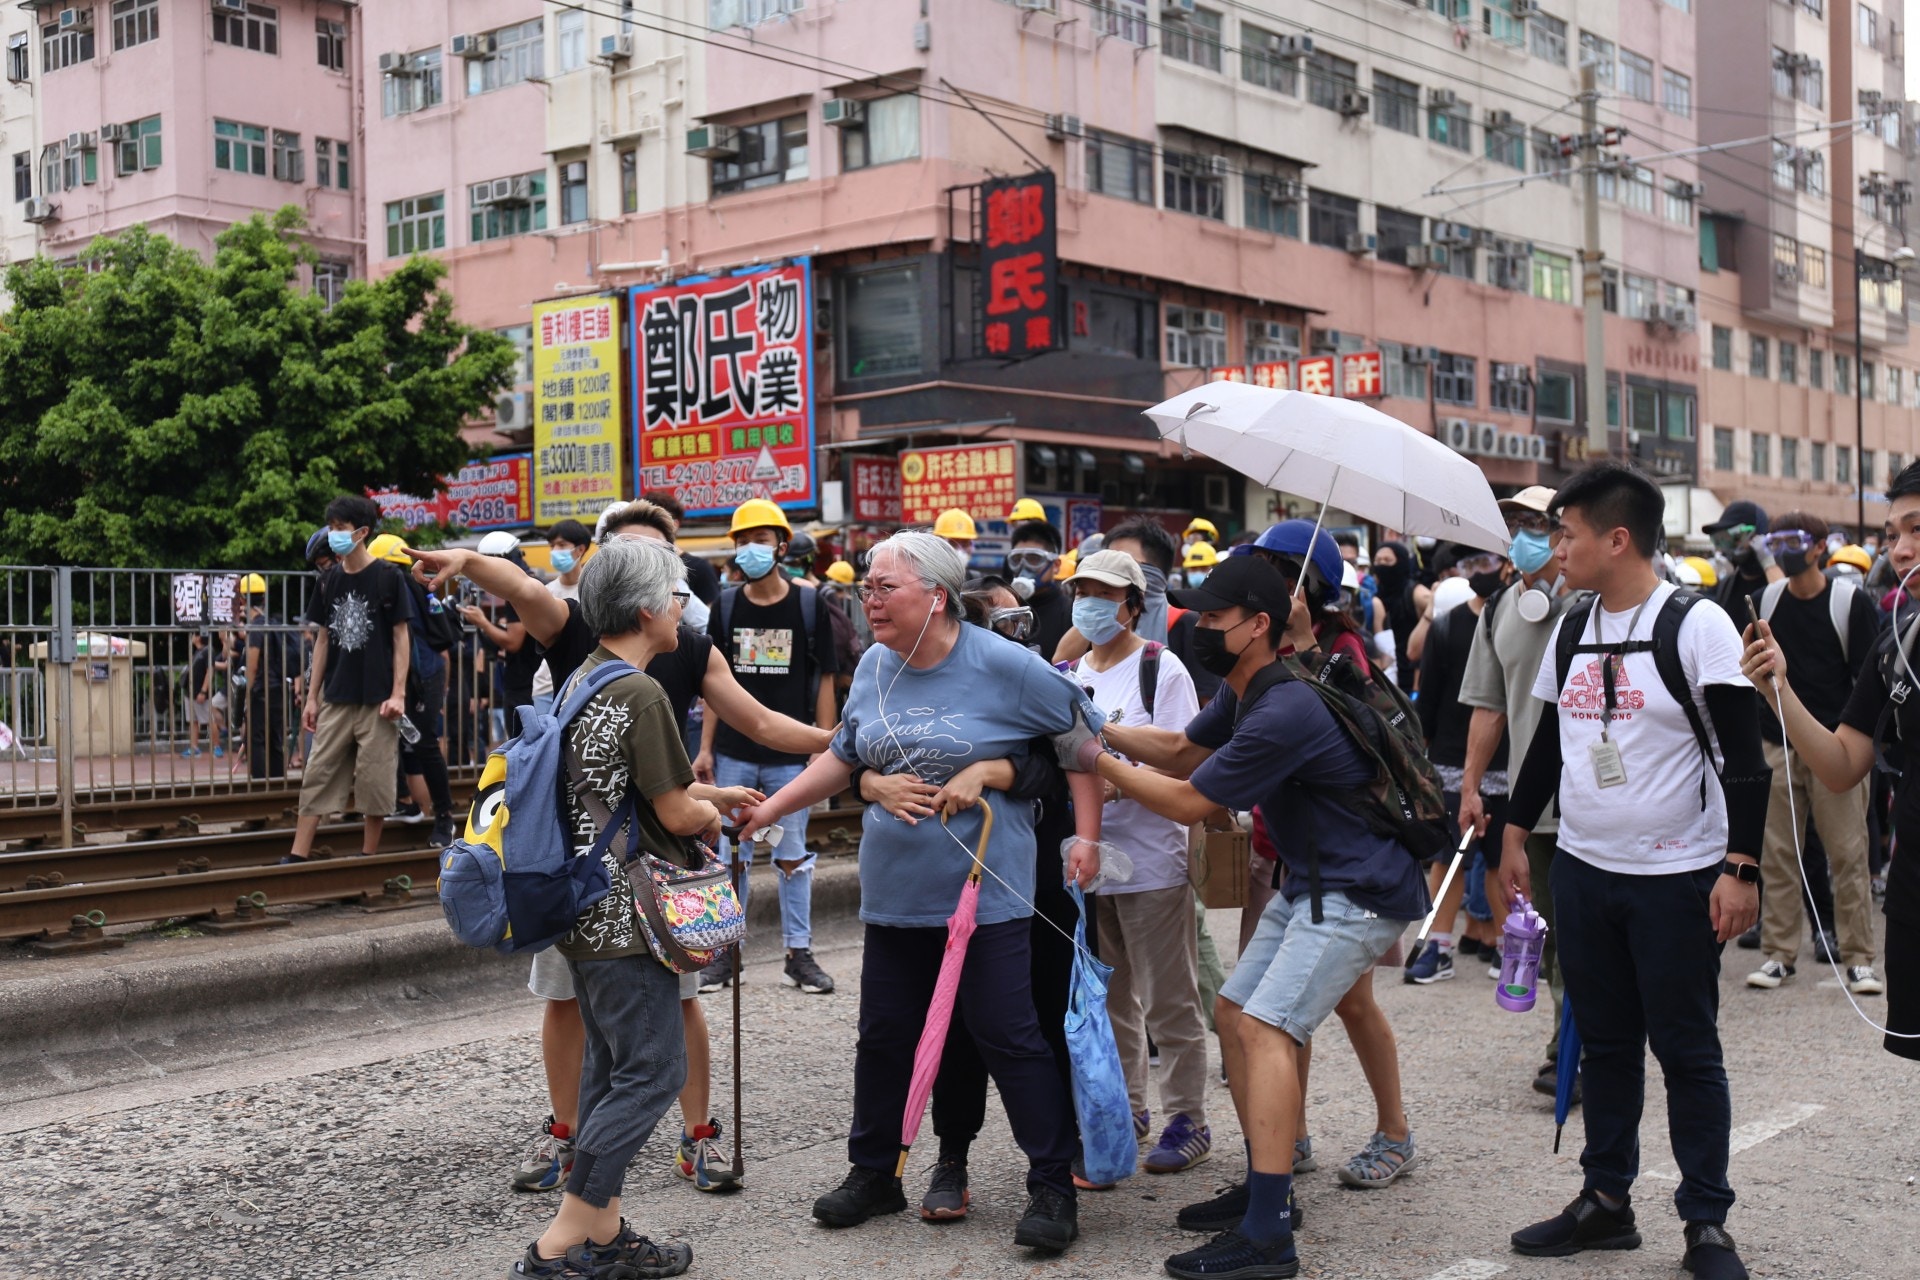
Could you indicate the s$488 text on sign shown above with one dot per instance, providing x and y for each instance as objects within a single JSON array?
[{"x": 723, "y": 377}]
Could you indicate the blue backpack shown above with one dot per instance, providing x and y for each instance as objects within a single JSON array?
[{"x": 525, "y": 890}]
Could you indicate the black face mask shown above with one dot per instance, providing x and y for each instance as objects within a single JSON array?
[
  {"x": 1211, "y": 652},
  {"x": 1792, "y": 563},
  {"x": 1485, "y": 584}
]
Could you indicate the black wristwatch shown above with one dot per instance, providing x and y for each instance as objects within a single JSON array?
[{"x": 1744, "y": 872}]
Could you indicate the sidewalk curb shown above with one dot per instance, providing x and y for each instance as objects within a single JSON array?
[{"x": 189, "y": 995}]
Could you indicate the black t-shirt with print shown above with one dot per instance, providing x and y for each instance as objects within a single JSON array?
[
  {"x": 768, "y": 650},
  {"x": 682, "y": 673},
  {"x": 1821, "y": 675},
  {"x": 359, "y": 611}
]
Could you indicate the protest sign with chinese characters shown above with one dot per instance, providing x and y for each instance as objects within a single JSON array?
[
  {"x": 723, "y": 378},
  {"x": 982, "y": 480},
  {"x": 576, "y": 408},
  {"x": 495, "y": 494},
  {"x": 1019, "y": 266}
]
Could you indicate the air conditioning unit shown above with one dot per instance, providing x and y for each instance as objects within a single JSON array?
[
  {"x": 1353, "y": 103},
  {"x": 1362, "y": 242},
  {"x": 1499, "y": 119},
  {"x": 1286, "y": 188},
  {"x": 1457, "y": 433},
  {"x": 519, "y": 190},
  {"x": 1442, "y": 98},
  {"x": 841, "y": 112},
  {"x": 513, "y": 411},
  {"x": 1452, "y": 233},
  {"x": 38, "y": 209},
  {"x": 229, "y": 6},
  {"x": 78, "y": 142},
  {"x": 481, "y": 194},
  {"x": 1680, "y": 316},
  {"x": 112, "y": 132},
  {"x": 396, "y": 64},
  {"x": 1689, "y": 190},
  {"x": 76, "y": 19},
  {"x": 1176, "y": 10},
  {"x": 1786, "y": 272},
  {"x": 714, "y": 142},
  {"x": 1429, "y": 257},
  {"x": 1218, "y": 166},
  {"x": 471, "y": 47},
  {"x": 1060, "y": 128},
  {"x": 616, "y": 48},
  {"x": 1526, "y": 8},
  {"x": 1295, "y": 46},
  {"x": 1485, "y": 239},
  {"x": 1419, "y": 357}
]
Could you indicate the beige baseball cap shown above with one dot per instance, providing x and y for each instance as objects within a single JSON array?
[
  {"x": 1535, "y": 497},
  {"x": 1115, "y": 568}
]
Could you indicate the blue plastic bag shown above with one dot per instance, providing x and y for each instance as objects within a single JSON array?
[{"x": 1109, "y": 1149}]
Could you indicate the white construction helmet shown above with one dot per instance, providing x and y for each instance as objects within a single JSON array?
[{"x": 499, "y": 543}]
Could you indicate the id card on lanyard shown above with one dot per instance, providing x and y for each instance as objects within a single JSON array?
[{"x": 1609, "y": 770}]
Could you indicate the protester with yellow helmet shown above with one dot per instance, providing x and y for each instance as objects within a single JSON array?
[
  {"x": 841, "y": 572},
  {"x": 1026, "y": 509},
  {"x": 1200, "y": 529},
  {"x": 1198, "y": 562},
  {"x": 1852, "y": 554},
  {"x": 1703, "y": 568},
  {"x": 956, "y": 526}
]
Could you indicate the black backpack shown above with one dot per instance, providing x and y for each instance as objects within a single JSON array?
[
  {"x": 1404, "y": 801},
  {"x": 1665, "y": 647},
  {"x": 1889, "y": 748}
]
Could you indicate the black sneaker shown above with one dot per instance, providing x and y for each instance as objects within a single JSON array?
[
  {"x": 1051, "y": 1222},
  {"x": 408, "y": 813},
  {"x": 632, "y": 1256},
  {"x": 864, "y": 1193},
  {"x": 1232, "y": 1254},
  {"x": 1547, "y": 1079},
  {"x": 1229, "y": 1209},
  {"x": 1710, "y": 1253},
  {"x": 803, "y": 973},
  {"x": 1750, "y": 940},
  {"x": 718, "y": 975},
  {"x": 947, "y": 1195},
  {"x": 1826, "y": 947},
  {"x": 1583, "y": 1224},
  {"x": 445, "y": 830}
]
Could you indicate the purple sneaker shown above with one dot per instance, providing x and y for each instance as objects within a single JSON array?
[{"x": 1182, "y": 1145}]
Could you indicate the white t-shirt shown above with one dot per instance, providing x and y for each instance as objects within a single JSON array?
[
  {"x": 543, "y": 678},
  {"x": 1654, "y": 823},
  {"x": 1157, "y": 845}
]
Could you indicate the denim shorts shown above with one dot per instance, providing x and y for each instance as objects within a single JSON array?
[
  {"x": 551, "y": 979},
  {"x": 1293, "y": 971}
]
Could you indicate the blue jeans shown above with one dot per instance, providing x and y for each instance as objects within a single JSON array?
[{"x": 796, "y": 886}]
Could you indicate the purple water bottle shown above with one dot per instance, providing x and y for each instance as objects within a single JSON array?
[{"x": 1522, "y": 940}]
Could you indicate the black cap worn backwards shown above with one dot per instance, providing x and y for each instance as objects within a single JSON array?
[{"x": 1239, "y": 582}]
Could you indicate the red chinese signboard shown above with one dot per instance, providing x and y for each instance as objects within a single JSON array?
[
  {"x": 495, "y": 494},
  {"x": 1316, "y": 376},
  {"x": 1019, "y": 266},
  {"x": 981, "y": 479},
  {"x": 1277, "y": 374},
  {"x": 723, "y": 389},
  {"x": 1362, "y": 375},
  {"x": 875, "y": 484},
  {"x": 1228, "y": 373}
]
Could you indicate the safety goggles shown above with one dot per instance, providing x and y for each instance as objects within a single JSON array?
[
  {"x": 1484, "y": 563},
  {"x": 1014, "y": 624},
  {"x": 1788, "y": 542},
  {"x": 1033, "y": 562},
  {"x": 1530, "y": 522},
  {"x": 1732, "y": 536}
]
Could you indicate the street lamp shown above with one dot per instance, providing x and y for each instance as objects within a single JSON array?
[{"x": 1865, "y": 269}]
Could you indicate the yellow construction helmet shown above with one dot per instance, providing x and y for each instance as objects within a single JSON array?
[
  {"x": 1854, "y": 555},
  {"x": 1027, "y": 509},
  {"x": 388, "y": 547},
  {"x": 1199, "y": 525},
  {"x": 1068, "y": 563},
  {"x": 1709, "y": 576},
  {"x": 1200, "y": 555},
  {"x": 255, "y": 585},
  {"x": 841, "y": 572},
  {"x": 758, "y": 513},
  {"x": 955, "y": 523}
]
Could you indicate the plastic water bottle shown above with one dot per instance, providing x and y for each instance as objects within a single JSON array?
[
  {"x": 1522, "y": 941},
  {"x": 407, "y": 731}
]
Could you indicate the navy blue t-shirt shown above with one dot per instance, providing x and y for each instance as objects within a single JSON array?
[{"x": 1290, "y": 735}]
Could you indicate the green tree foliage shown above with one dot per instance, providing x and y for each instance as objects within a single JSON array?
[{"x": 160, "y": 410}]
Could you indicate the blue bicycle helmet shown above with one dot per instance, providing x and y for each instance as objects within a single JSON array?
[{"x": 1292, "y": 538}]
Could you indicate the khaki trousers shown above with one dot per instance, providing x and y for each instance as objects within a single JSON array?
[
  {"x": 1841, "y": 820},
  {"x": 1151, "y": 941}
]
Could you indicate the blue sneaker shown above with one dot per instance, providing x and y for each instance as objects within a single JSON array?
[
  {"x": 546, "y": 1169},
  {"x": 699, "y": 1160},
  {"x": 1182, "y": 1145},
  {"x": 1232, "y": 1254},
  {"x": 191, "y": 752},
  {"x": 1142, "y": 1124},
  {"x": 1430, "y": 966}
]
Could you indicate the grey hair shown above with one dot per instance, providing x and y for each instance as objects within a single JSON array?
[
  {"x": 934, "y": 560},
  {"x": 624, "y": 577}
]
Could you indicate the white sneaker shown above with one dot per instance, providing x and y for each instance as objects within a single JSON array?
[
  {"x": 1770, "y": 975},
  {"x": 1862, "y": 981}
]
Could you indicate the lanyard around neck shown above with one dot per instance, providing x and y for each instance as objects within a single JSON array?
[{"x": 1607, "y": 659}]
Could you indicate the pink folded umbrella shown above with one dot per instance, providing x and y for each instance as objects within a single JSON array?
[{"x": 933, "y": 1036}]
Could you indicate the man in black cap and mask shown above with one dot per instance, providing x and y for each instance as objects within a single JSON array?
[{"x": 1736, "y": 536}]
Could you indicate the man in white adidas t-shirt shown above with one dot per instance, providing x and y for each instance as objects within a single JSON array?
[{"x": 1654, "y": 757}]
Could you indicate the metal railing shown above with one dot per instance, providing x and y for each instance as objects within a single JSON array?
[{"x": 149, "y": 686}]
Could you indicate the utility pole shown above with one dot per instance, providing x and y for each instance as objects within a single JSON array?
[{"x": 1590, "y": 258}]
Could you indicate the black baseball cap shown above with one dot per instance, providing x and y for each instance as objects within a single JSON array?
[
  {"x": 1738, "y": 513},
  {"x": 1239, "y": 582}
]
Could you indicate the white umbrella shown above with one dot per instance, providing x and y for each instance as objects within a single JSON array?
[{"x": 1339, "y": 453}]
